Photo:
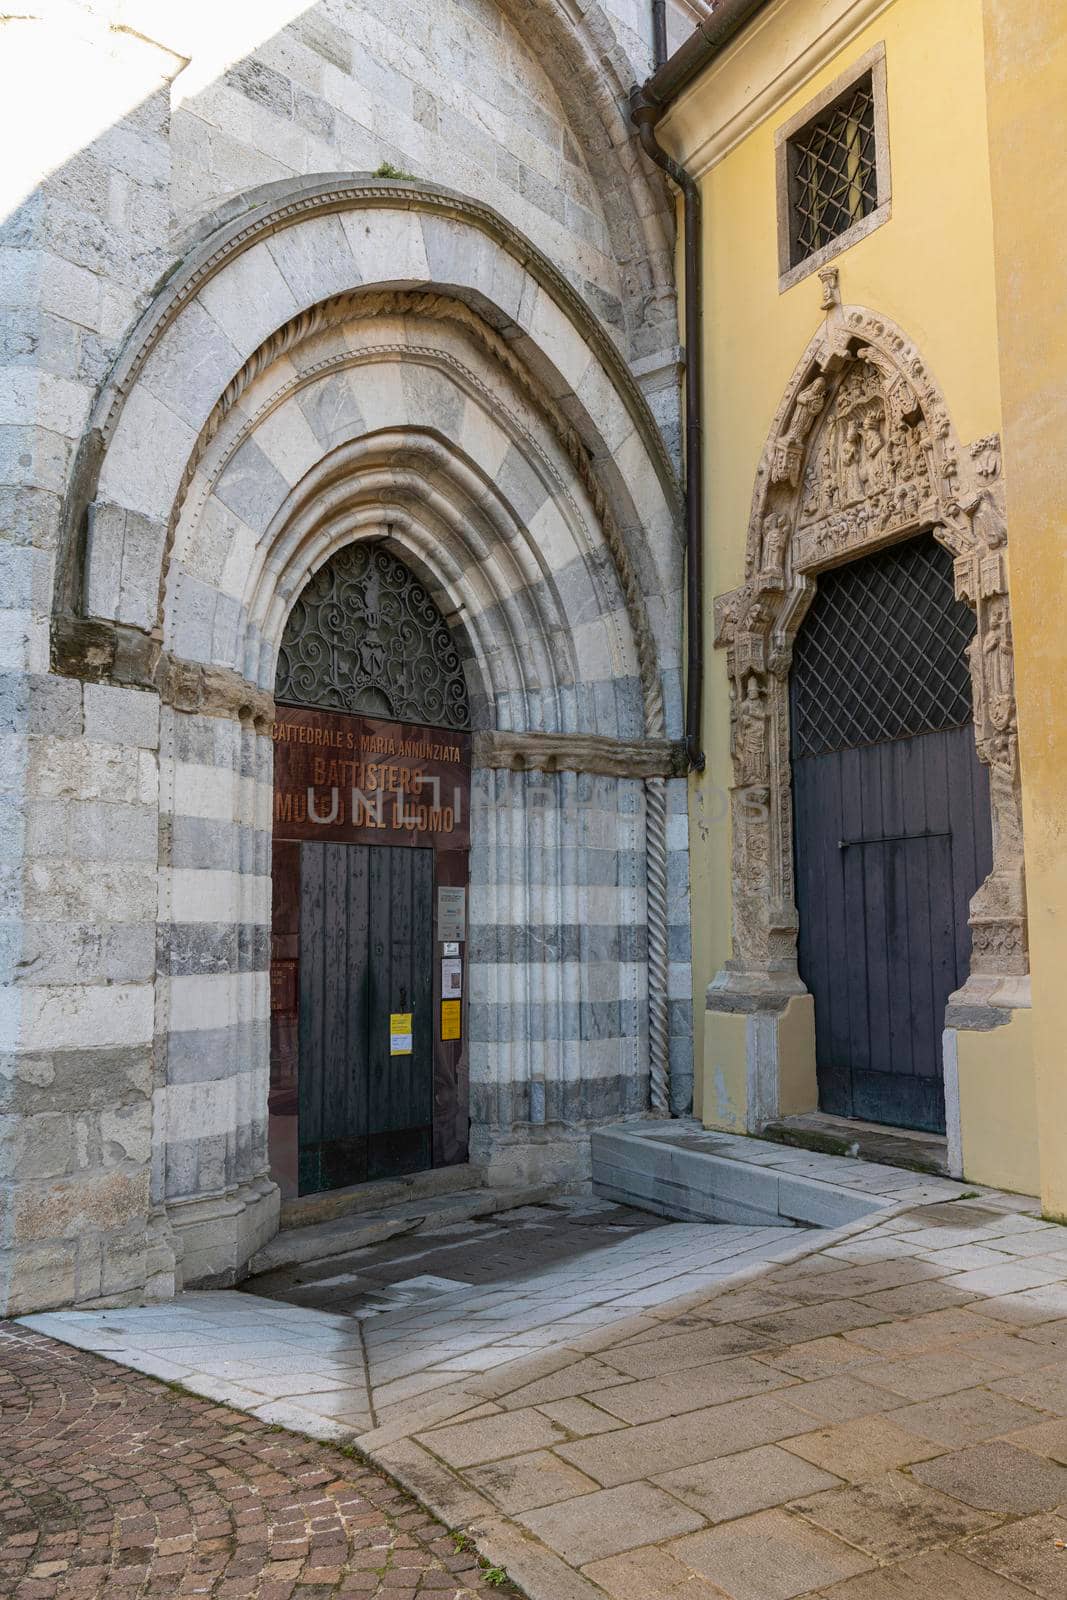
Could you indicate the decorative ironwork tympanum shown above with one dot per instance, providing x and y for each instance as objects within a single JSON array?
[{"x": 366, "y": 637}]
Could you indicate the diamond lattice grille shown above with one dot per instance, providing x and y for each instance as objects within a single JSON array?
[
  {"x": 881, "y": 654},
  {"x": 834, "y": 172}
]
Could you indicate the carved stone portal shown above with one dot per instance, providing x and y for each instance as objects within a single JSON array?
[{"x": 861, "y": 454}]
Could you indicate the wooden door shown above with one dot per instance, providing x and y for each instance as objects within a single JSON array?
[
  {"x": 366, "y": 955},
  {"x": 892, "y": 827}
]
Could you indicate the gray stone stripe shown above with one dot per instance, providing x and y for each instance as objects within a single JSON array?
[
  {"x": 502, "y": 1105},
  {"x": 75, "y": 1081},
  {"x": 212, "y": 1163},
  {"x": 680, "y": 1014},
  {"x": 211, "y": 845},
  {"x": 570, "y": 1021},
  {"x": 199, "y": 1055},
  {"x": 569, "y": 941},
  {"x": 188, "y": 949},
  {"x": 581, "y": 865}
]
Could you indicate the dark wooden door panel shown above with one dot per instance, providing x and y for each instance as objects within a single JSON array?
[
  {"x": 892, "y": 826},
  {"x": 401, "y": 979},
  {"x": 282, "y": 1102},
  {"x": 892, "y": 841},
  {"x": 366, "y": 943}
]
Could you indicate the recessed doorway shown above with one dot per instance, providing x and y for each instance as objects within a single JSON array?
[{"x": 371, "y": 832}]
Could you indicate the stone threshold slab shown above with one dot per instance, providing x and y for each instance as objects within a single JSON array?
[
  {"x": 690, "y": 1173},
  {"x": 306, "y": 1210},
  {"x": 353, "y": 1231},
  {"x": 908, "y": 1148}
]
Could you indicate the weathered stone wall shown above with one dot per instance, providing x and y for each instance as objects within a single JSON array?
[{"x": 165, "y": 490}]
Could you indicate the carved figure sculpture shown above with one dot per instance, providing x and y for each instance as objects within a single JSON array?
[
  {"x": 851, "y": 445},
  {"x": 775, "y": 535},
  {"x": 789, "y": 452},
  {"x": 996, "y": 648},
  {"x": 750, "y": 749}
]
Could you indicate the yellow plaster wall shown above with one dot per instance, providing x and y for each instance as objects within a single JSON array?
[
  {"x": 1027, "y": 62},
  {"x": 998, "y": 1105},
  {"x": 797, "y": 1087},
  {"x": 929, "y": 268},
  {"x": 725, "y": 1056}
]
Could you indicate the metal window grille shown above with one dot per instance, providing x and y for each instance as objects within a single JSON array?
[
  {"x": 833, "y": 172},
  {"x": 881, "y": 653}
]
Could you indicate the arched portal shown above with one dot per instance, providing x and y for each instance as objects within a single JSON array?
[
  {"x": 480, "y": 430},
  {"x": 892, "y": 826},
  {"x": 371, "y": 830},
  {"x": 862, "y": 458}
]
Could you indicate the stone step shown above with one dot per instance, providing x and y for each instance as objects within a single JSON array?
[
  {"x": 840, "y": 1136},
  {"x": 340, "y": 1235},
  {"x": 307, "y": 1209},
  {"x": 687, "y": 1176}
]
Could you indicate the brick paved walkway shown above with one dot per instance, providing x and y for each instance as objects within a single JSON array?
[{"x": 114, "y": 1485}]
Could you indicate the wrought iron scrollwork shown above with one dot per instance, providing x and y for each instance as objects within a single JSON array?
[{"x": 366, "y": 637}]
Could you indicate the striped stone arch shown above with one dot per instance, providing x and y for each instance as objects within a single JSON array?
[{"x": 277, "y": 403}]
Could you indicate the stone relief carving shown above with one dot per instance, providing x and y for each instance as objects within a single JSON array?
[
  {"x": 869, "y": 476},
  {"x": 861, "y": 454}
]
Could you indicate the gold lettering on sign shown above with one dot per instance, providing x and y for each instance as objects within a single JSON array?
[
  {"x": 372, "y": 744},
  {"x": 340, "y": 776}
]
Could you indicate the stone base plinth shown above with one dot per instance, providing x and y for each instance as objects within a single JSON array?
[{"x": 219, "y": 1236}]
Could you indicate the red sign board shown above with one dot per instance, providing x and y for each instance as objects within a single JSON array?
[{"x": 361, "y": 780}]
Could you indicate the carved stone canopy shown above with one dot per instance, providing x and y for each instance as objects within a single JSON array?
[
  {"x": 365, "y": 636},
  {"x": 861, "y": 454}
]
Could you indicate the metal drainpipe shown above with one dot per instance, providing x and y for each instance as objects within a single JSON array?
[
  {"x": 659, "y": 33},
  {"x": 648, "y": 103},
  {"x": 646, "y": 114}
]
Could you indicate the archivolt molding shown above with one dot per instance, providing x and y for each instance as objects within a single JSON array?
[
  {"x": 861, "y": 454},
  {"x": 276, "y": 208},
  {"x": 440, "y": 308},
  {"x": 288, "y": 204},
  {"x": 380, "y": 487},
  {"x": 577, "y": 44}
]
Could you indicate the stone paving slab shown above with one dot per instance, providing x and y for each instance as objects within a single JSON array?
[{"x": 894, "y": 1449}]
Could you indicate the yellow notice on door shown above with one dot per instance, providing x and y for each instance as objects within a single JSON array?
[
  {"x": 450, "y": 1019},
  {"x": 400, "y": 1033}
]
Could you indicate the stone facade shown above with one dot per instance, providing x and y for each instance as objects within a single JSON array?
[{"x": 346, "y": 271}]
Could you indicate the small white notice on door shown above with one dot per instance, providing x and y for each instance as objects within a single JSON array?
[
  {"x": 451, "y": 913},
  {"x": 451, "y": 978},
  {"x": 400, "y": 1033}
]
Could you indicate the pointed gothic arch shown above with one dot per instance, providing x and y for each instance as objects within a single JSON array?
[{"x": 862, "y": 454}]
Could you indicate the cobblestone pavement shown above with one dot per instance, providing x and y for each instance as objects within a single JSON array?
[{"x": 114, "y": 1485}]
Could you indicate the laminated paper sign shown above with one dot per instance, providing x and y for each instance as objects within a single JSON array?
[
  {"x": 400, "y": 1033},
  {"x": 450, "y": 1019},
  {"x": 451, "y": 977},
  {"x": 451, "y": 914}
]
